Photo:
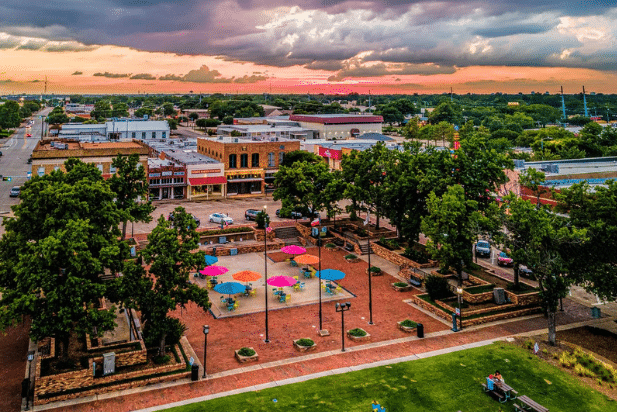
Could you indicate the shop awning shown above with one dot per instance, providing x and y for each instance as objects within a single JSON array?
[{"x": 200, "y": 181}]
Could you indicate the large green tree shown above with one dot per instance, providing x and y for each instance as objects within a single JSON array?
[
  {"x": 130, "y": 185},
  {"x": 9, "y": 115},
  {"x": 171, "y": 255},
  {"x": 63, "y": 238},
  {"x": 301, "y": 185}
]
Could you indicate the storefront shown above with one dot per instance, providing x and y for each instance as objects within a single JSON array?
[
  {"x": 207, "y": 187},
  {"x": 166, "y": 180},
  {"x": 245, "y": 183}
]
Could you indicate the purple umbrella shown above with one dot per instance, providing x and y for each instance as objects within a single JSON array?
[{"x": 281, "y": 281}]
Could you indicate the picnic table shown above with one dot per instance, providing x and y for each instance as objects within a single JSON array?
[
  {"x": 499, "y": 390},
  {"x": 528, "y": 404}
]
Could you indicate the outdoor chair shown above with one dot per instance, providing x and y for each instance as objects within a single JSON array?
[
  {"x": 230, "y": 307},
  {"x": 293, "y": 263},
  {"x": 339, "y": 289},
  {"x": 301, "y": 285},
  {"x": 287, "y": 298},
  {"x": 236, "y": 305},
  {"x": 296, "y": 287},
  {"x": 253, "y": 292},
  {"x": 282, "y": 298}
]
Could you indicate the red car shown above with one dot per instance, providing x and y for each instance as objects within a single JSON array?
[
  {"x": 504, "y": 260},
  {"x": 28, "y": 135}
]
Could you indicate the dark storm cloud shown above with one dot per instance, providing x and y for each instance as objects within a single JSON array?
[
  {"x": 318, "y": 34},
  {"x": 143, "y": 76}
]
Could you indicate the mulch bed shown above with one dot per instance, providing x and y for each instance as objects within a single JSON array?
[{"x": 593, "y": 339}]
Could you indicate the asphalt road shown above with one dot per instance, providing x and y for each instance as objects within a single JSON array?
[{"x": 14, "y": 160}]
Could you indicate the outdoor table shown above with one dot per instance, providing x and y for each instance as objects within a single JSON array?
[{"x": 506, "y": 389}]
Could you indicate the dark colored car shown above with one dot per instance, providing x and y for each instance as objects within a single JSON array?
[
  {"x": 293, "y": 215},
  {"x": 483, "y": 248},
  {"x": 250, "y": 214}
]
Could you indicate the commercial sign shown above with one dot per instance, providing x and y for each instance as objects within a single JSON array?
[
  {"x": 330, "y": 153},
  {"x": 205, "y": 171}
]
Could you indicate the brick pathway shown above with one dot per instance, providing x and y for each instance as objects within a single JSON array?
[{"x": 13, "y": 350}]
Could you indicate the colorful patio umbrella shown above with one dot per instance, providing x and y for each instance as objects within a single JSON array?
[
  {"x": 330, "y": 274},
  {"x": 230, "y": 288},
  {"x": 293, "y": 250},
  {"x": 281, "y": 281},
  {"x": 213, "y": 270},
  {"x": 211, "y": 260},
  {"x": 246, "y": 276},
  {"x": 307, "y": 259}
]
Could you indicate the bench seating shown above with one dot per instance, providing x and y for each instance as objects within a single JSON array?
[
  {"x": 415, "y": 282},
  {"x": 349, "y": 247},
  {"x": 498, "y": 396},
  {"x": 529, "y": 404}
]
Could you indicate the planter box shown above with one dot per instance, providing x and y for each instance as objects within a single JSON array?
[
  {"x": 359, "y": 338},
  {"x": 401, "y": 288},
  {"x": 356, "y": 260},
  {"x": 300, "y": 348},
  {"x": 407, "y": 329},
  {"x": 243, "y": 359}
]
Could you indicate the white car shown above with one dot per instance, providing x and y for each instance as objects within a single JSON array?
[{"x": 221, "y": 218}]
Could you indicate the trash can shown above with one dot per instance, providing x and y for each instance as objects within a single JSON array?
[
  {"x": 420, "y": 330},
  {"x": 195, "y": 372}
]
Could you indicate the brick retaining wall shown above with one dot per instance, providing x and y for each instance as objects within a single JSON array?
[{"x": 398, "y": 259}]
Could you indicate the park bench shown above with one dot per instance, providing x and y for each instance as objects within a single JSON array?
[
  {"x": 528, "y": 404},
  {"x": 415, "y": 281},
  {"x": 349, "y": 247}
]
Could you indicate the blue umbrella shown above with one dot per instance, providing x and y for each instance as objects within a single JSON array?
[
  {"x": 211, "y": 260},
  {"x": 330, "y": 274},
  {"x": 230, "y": 288}
]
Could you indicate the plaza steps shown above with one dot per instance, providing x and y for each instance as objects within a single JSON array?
[
  {"x": 288, "y": 234},
  {"x": 364, "y": 248}
]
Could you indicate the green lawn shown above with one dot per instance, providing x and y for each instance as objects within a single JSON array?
[{"x": 446, "y": 383}]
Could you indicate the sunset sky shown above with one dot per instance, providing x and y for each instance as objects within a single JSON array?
[{"x": 308, "y": 46}]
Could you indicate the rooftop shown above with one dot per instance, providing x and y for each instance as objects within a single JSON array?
[
  {"x": 336, "y": 118},
  {"x": 181, "y": 154}
]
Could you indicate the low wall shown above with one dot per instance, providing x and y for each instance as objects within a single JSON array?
[
  {"x": 253, "y": 247},
  {"x": 532, "y": 298},
  {"x": 231, "y": 237},
  {"x": 477, "y": 297}
]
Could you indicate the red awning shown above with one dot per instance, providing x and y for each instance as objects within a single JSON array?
[{"x": 216, "y": 180}]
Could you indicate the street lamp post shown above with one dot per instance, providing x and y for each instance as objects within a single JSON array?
[
  {"x": 266, "y": 268},
  {"x": 206, "y": 330},
  {"x": 343, "y": 307},
  {"x": 459, "y": 292},
  {"x": 30, "y": 358}
]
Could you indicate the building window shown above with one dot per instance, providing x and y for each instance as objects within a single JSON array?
[
  {"x": 164, "y": 135},
  {"x": 41, "y": 171},
  {"x": 56, "y": 168},
  {"x": 133, "y": 135},
  {"x": 282, "y": 147},
  {"x": 232, "y": 161},
  {"x": 281, "y": 157},
  {"x": 154, "y": 135},
  {"x": 143, "y": 135},
  {"x": 100, "y": 167},
  {"x": 112, "y": 169},
  {"x": 255, "y": 160},
  {"x": 244, "y": 160},
  {"x": 271, "y": 159}
]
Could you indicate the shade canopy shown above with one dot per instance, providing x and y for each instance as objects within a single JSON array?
[
  {"x": 213, "y": 270},
  {"x": 230, "y": 288},
  {"x": 307, "y": 259},
  {"x": 246, "y": 276},
  {"x": 330, "y": 274},
  {"x": 293, "y": 250},
  {"x": 281, "y": 281},
  {"x": 211, "y": 260}
]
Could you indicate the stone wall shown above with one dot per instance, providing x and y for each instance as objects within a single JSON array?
[
  {"x": 477, "y": 297},
  {"x": 231, "y": 237},
  {"x": 399, "y": 259},
  {"x": 304, "y": 230},
  {"x": 253, "y": 247},
  {"x": 526, "y": 299},
  {"x": 69, "y": 381},
  {"x": 259, "y": 235}
]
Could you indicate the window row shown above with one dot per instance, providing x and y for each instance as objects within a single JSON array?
[{"x": 244, "y": 160}]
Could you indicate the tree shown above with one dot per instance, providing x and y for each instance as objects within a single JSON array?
[
  {"x": 302, "y": 185},
  {"x": 446, "y": 112},
  {"x": 300, "y": 156},
  {"x": 193, "y": 116},
  {"x": 411, "y": 130},
  {"x": 62, "y": 239},
  {"x": 102, "y": 110},
  {"x": 451, "y": 226},
  {"x": 120, "y": 110},
  {"x": 541, "y": 239},
  {"x": 533, "y": 180},
  {"x": 58, "y": 117},
  {"x": 173, "y": 124},
  {"x": 171, "y": 255},
  {"x": 333, "y": 193},
  {"x": 130, "y": 185},
  {"x": 9, "y": 115},
  {"x": 168, "y": 109}
]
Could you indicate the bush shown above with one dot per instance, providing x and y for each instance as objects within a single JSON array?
[
  {"x": 330, "y": 246},
  {"x": 437, "y": 287},
  {"x": 400, "y": 284},
  {"x": 415, "y": 255},
  {"x": 391, "y": 244},
  {"x": 408, "y": 323},
  {"x": 357, "y": 332},
  {"x": 161, "y": 360},
  {"x": 305, "y": 342},
  {"x": 374, "y": 269},
  {"x": 172, "y": 328},
  {"x": 246, "y": 352},
  {"x": 351, "y": 256},
  {"x": 262, "y": 219}
]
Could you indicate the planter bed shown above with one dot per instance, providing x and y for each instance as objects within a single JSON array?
[
  {"x": 244, "y": 359},
  {"x": 359, "y": 338},
  {"x": 406, "y": 329},
  {"x": 405, "y": 288},
  {"x": 304, "y": 348}
]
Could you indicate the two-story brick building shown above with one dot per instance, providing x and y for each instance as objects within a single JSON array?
[
  {"x": 250, "y": 164},
  {"x": 166, "y": 179},
  {"x": 50, "y": 155}
]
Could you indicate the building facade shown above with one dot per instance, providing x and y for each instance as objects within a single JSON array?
[
  {"x": 166, "y": 179},
  {"x": 121, "y": 129},
  {"x": 50, "y": 155},
  {"x": 249, "y": 164},
  {"x": 339, "y": 126}
]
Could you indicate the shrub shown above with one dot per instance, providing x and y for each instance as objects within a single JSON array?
[
  {"x": 437, "y": 287},
  {"x": 408, "y": 323},
  {"x": 580, "y": 370},
  {"x": 305, "y": 342},
  {"x": 351, "y": 256},
  {"x": 172, "y": 328},
  {"x": 246, "y": 352},
  {"x": 357, "y": 332},
  {"x": 374, "y": 269},
  {"x": 330, "y": 246},
  {"x": 528, "y": 344},
  {"x": 415, "y": 255},
  {"x": 262, "y": 219},
  {"x": 400, "y": 284},
  {"x": 161, "y": 360},
  {"x": 567, "y": 360}
]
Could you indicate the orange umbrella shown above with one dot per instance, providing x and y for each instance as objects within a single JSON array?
[
  {"x": 307, "y": 259},
  {"x": 246, "y": 276}
]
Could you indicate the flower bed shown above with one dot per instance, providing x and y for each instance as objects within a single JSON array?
[
  {"x": 246, "y": 355},
  {"x": 304, "y": 345},
  {"x": 401, "y": 286},
  {"x": 407, "y": 325},
  {"x": 358, "y": 335}
]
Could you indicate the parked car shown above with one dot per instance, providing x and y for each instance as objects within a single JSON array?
[
  {"x": 195, "y": 218},
  {"x": 251, "y": 214},
  {"x": 293, "y": 215},
  {"x": 483, "y": 248},
  {"x": 15, "y": 191},
  {"x": 525, "y": 271},
  {"x": 504, "y": 260},
  {"x": 220, "y": 218}
]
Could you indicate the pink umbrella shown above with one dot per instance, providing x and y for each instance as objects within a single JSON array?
[
  {"x": 293, "y": 250},
  {"x": 213, "y": 270},
  {"x": 281, "y": 281}
]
